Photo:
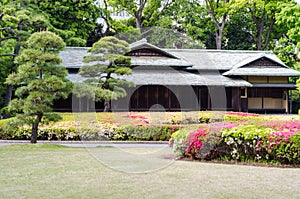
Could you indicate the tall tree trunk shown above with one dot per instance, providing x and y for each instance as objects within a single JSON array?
[
  {"x": 220, "y": 25},
  {"x": 260, "y": 32},
  {"x": 219, "y": 39},
  {"x": 17, "y": 48},
  {"x": 138, "y": 23},
  {"x": 139, "y": 13},
  {"x": 8, "y": 96},
  {"x": 34, "y": 129}
]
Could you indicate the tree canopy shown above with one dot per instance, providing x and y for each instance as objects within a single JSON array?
[
  {"x": 18, "y": 19},
  {"x": 74, "y": 20}
]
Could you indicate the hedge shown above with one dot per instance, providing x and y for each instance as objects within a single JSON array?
[{"x": 133, "y": 133}]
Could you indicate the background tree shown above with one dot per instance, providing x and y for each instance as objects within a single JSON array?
[
  {"x": 218, "y": 11},
  {"x": 263, "y": 14},
  {"x": 287, "y": 47},
  {"x": 189, "y": 18},
  {"x": 74, "y": 20},
  {"x": 238, "y": 32},
  {"x": 41, "y": 81},
  {"x": 18, "y": 19},
  {"x": 107, "y": 65},
  {"x": 144, "y": 12}
]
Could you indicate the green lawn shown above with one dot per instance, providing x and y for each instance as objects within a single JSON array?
[{"x": 43, "y": 171}]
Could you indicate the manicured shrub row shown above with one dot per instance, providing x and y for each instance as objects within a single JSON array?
[
  {"x": 137, "y": 133},
  {"x": 266, "y": 142}
]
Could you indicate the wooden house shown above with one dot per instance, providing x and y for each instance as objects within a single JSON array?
[{"x": 196, "y": 79}]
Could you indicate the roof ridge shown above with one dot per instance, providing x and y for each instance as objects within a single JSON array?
[{"x": 223, "y": 51}]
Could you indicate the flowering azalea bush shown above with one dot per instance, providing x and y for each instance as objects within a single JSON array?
[
  {"x": 197, "y": 144},
  {"x": 241, "y": 143},
  {"x": 194, "y": 144},
  {"x": 269, "y": 142},
  {"x": 283, "y": 146}
]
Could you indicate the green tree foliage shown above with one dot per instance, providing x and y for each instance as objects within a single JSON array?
[
  {"x": 188, "y": 18},
  {"x": 238, "y": 32},
  {"x": 18, "y": 19},
  {"x": 144, "y": 12},
  {"x": 168, "y": 38},
  {"x": 72, "y": 19},
  {"x": 287, "y": 47},
  {"x": 107, "y": 64},
  {"x": 41, "y": 81},
  {"x": 263, "y": 14},
  {"x": 289, "y": 16}
]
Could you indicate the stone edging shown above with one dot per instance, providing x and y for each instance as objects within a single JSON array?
[{"x": 83, "y": 142}]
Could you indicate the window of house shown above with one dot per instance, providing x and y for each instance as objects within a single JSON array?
[{"x": 243, "y": 92}]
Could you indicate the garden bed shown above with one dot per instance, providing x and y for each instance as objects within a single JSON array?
[{"x": 205, "y": 136}]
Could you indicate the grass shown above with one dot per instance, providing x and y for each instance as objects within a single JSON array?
[{"x": 54, "y": 171}]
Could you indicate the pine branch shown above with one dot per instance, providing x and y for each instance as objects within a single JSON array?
[
  {"x": 8, "y": 55},
  {"x": 6, "y": 38}
]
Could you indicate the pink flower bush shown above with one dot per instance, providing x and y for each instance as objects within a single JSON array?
[
  {"x": 139, "y": 120},
  {"x": 194, "y": 143},
  {"x": 282, "y": 125},
  {"x": 242, "y": 114},
  {"x": 217, "y": 126}
]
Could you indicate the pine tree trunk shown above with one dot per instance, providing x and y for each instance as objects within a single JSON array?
[
  {"x": 34, "y": 133},
  {"x": 9, "y": 91},
  {"x": 34, "y": 130},
  {"x": 8, "y": 97}
]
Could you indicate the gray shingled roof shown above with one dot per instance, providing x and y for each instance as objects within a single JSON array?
[
  {"x": 159, "y": 61},
  {"x": 72, "y": 57},
  {"x": 197, "y": 59},
  {"x": 282, "y": 70},
  {"x": 144, "y": 44},
  {"x": 258, "y": 71},
  {"x": 203, "y": 59},
  {"x": 174, "y": 77}
]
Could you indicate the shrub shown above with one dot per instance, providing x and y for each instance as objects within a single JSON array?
[
  {"x": 242, "y": 143},
  {"x": 194, "y": 144},
  {"x": 283, "y": 147},
  {"x": 178, "y": 141},
  {"x": 143, "y": 133},
  {"x": 98, "y": 132},
  {"x": 247, "y": 143}
]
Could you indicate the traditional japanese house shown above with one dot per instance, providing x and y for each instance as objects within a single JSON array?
[{"x": 196, "y": 79}]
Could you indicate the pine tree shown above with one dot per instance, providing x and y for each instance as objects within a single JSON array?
[
  {"x": 41, "y": 81},
  {"x": 108, "y": 64}
]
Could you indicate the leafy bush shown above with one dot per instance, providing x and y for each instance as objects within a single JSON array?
[
  {"x": 178, "y": 141},
  {"x": 101, "y": 132},
  {"x": 242, "y": 143},
  {"x": 283, "y": 147},
  {"x": 254, "y": 143},
  {"x": 142, "y": 133},
  {"x": 194, "y": 144}
]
